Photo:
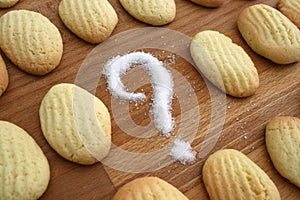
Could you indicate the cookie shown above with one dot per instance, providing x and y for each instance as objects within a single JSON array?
[
  {"x": 291, "y": 9},
  {"x": 76, "y": 124},
  {"x": 209, "y": 3},
  {"x": 153, "y": 12},
  {"x": 3, "y": 76},
  {"x": 269, "y": 33},
  {"x": 8, "y": 3},
  {"x": 24, "y": 169},
  {"x": 30, "y": 41},
  {"x": 229, "y": 174},
  {"x": 283, "y": 145},
  {"x": 224, "y": 63},
  {"x": 91, "y": 20},
  {"x": 148, "y": 188}
]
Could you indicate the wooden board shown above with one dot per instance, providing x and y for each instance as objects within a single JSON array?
[{"x": 245, "y": 119}]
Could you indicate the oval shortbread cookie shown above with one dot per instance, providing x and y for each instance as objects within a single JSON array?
[
  {"x": 24, "y": 169},
  {"x": 30, "y": 41},
  {"x": 76, "y": 124},
  {"x": 283, "y": 145},
  {"x": 148, "y": 188},
  {"x": 291, "y": 9},
  {"x": 209, "y": 3},
  {"x": 270, "y": 33},
  {"x": 229, "y": 174},
  {"x": 3, "y": 76},
  {"x": 154, "y": 12},
  {"x": 91, "y": 20},
  {"x": 8, "y": 3},
  {"x": 224, "y": 63}
]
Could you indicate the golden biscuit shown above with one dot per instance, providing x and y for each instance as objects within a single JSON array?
[
  {"x": 76, "y": 124},
  {"x": 91, "y": 20},
  {"x": 291, "y": 9},
  {"x": 269, "y": 33},
  {"x": 148, "y": 188},
  {"x": 224, "y": 63},
  {"x": 8, "y": 3},
  {"x": 3, "y": 76},
  {"x": 283, "y": 145},
  {"x": 30, "y": 41},
  {"x": 24, "y": 169},
  {"x": 209, "y": 3},
  {"x": 154, "y": 12},
  {"x": 229, "y": 174}
]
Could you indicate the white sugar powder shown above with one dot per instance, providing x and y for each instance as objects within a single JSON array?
[
  {"x": 162, "y": 84},
  {"x": 182, "y": 151}
]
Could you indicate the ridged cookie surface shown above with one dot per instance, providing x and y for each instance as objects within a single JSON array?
[
  {"x": 91, "y": 20},
  {"x": 209, "y": 3},
  {"x": 30, "y": 41},
  {"x": 154, "y": 12},
  {"x": 291, "y": 9},
  {"x": 224, "y": 63},
  {"x": 269, "y": 33},
  {"x": 149, "y": 188},
  {"x": 229, "y": 174},
  {"x": 3, "y": 76},
  {"x": 7, "y": 3},
  {"x": 76, "y": 124},
  {"x": 24, "y": 169},
  {"x": 283, "y": 145}
]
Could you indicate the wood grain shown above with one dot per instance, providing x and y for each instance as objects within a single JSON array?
[{"x": 278, "y": 94}]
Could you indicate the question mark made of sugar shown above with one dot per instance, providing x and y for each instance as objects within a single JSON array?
[{"x": 161, "y": 80}]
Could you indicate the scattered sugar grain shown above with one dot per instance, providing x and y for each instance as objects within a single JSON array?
[{"x": 182, "y": 152}]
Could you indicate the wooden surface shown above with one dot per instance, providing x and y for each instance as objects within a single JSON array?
[{"x": 245, "y": 119}]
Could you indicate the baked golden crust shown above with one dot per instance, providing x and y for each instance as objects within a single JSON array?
[
  {"x": 229, "y": 175},
  {"x": 91, "y": 20},
  {"x": 3, "y": 76},
  {"x": 283, "y": 145},
  {"x": 8, "y": 3},
  {"x": 209, "y": 3},
  {"x": 269, "y": 33},
  {"x": 25, "y": 171},
  {"x": 224, "y": 63},
  {"x": 154, "y": 12},
  {"x": 148, "y": 188},
  {"x": 30, "y": 41},
  {"x": 76, "y": 124},
  {"x": 291, "y": 9}
]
